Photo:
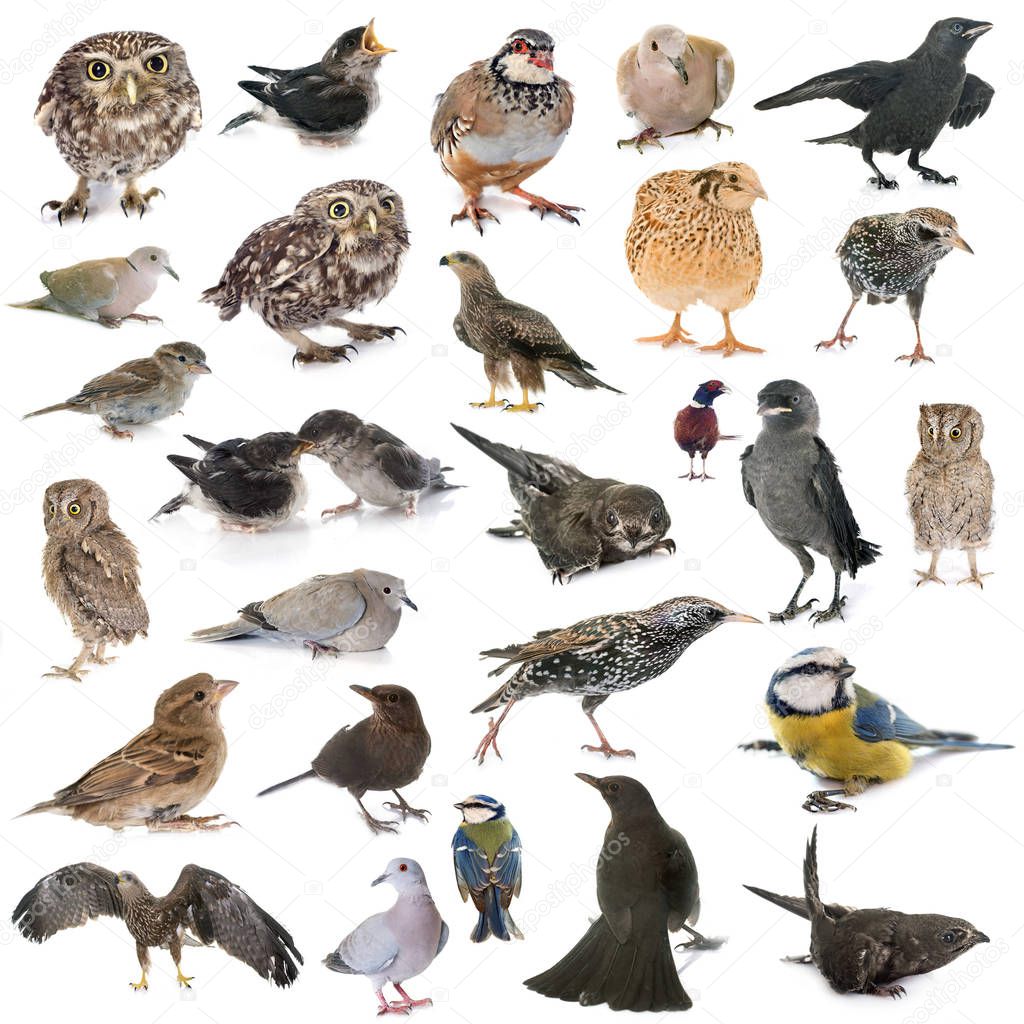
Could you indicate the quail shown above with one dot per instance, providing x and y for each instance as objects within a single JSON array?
[
  {"x": 510, "y": 335},
  {"x": 382, "y": 752},
  {"x": 118, "y": 105},
  {"x": 91, "y": 573},
  {"x": 328, "y": 102},
  {"x": 693, "y": 238},
  {"x": 574, "y": 521},
  {"x": 341, "y": 248},
  {"x": 696, "y": 427},
  {"x": 790, "y": 476},
  {"x": 598, "y": 657},
  {"x": 378, "y": 467},
  {"x": 140, "y": 391},
  {"x": 501, "y": 121},
  {"x": 248, "y": 484},
  {"x": 203, "y": 909},
  {"x": 892, "y": 254},
  {"x": 908, "y": 102}
]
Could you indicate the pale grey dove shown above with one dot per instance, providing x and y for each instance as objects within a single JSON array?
[
  {"x": 398, "y": 944},
  {"x": 106, "y": 291},
  {"x": 346, "y": 612}
]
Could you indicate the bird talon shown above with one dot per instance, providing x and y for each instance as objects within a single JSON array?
[{"x": 608, "y": 751}]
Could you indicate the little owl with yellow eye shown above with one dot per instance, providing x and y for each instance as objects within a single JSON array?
[
  {"x": 118, "y": 105},
  {"x": 340, "y": 248}
]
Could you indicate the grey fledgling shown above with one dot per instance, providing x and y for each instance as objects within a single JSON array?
[
  {"x": 139, "y": 391},
  {"x": 576, "y": 522},
  {"x": 339, "y": 614},
  {"x": 380, "y": 468},
  {"x": 867, "y": 951},
  {"x": 791, "y": 478},
  {"x": 106, "y": 291},
  {"x": 398, "y": 944},
  {"x": 249, "y": 485}
]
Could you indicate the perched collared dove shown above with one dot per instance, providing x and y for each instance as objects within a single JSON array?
[
  {"x": 106, "y": 291},
  {"x": 398, "y": 944}
]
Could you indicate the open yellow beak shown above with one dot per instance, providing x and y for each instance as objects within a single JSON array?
[
  {"x": 131, "y": 88},
  {"x": 371, "y": 44}
]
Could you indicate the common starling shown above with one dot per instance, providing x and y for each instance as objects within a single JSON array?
[
  {"x": 867, "y": 951},
  {"x": 791, "y": 478},
  {"x": 908, "y": 102},
  {"x": 576, "y": 522},
  {"x": 646, "y": 887},
  {"x": 598, "y": 657},
  {"x": 508, "y": 334},
  {"x": 892, "y": 254},
  {"x": 384, "y": 751},
  {"x": 696, "y": 427},
  {"x": 203, "y": 909}
]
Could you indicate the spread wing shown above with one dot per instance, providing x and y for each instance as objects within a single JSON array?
[
  {"x": 748, "y": 490},
  {"x": 861, "y": 86},
  {"x": 133, "y": 378},
  {"x": 455, "y": 115},
  {"x": 311, "y": 99},
  {"x": 68, "y": 898},
  {"x": 831, "y": 500},
  {"x": 975, "y": 98},
  {"x": 475, "y": 874},
  {"x": 89, "y": 285}
]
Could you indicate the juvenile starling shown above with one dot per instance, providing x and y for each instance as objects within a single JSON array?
[
  {"x": 791, "y": 478},
  {"x": 908, "y": 102},
  {"x": 576, "y": 522},
  {"x": 696, "y": 427},
  {"x": 892, "y": 254},
  {"x": 598, "y": 657},
  {"x": 646, "y": 887},
  {"x": 867, "y": 951},
  {"x": 508, "y": 334},
  {"x": 203, "y": 909},
  {"x": 384, "y": 751}
]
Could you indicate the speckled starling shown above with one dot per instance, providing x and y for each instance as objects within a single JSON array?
[
  {"x": 600, "y": 656},
  {"x": 892, "y": 254}
]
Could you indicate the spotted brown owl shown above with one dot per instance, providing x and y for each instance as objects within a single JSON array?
[
  {"x": 91, "y": 572},
  {"x": 341, "y": 248},
  {"x": 118, "y": 105},
  {"x": 949, "y": 487}
]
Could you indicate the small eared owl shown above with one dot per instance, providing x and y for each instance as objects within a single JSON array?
[
  {"x": 341, "y": 248},
  {"x": 118, "y": 105},
  {"x": 949, "y": 487},
  {"x": 91, "y": 572}
]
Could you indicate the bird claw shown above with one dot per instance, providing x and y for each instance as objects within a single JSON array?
[
  {"x": 929, "y": 577},
  {"x": 324, "y": 354},
  {"x": 72, "y": 673},
  {"x": 939, "y": 179},
  {"x": 522, "y": 406},
  {"x": 893, "y": 991},
  {"x": 489, "y": 742},
  {"x": 72, "y": 205},
  {"x": 834, "y": 610},
  {"x": 883, "y": 182},
  {"x": 405, "y": 810},
  {"x": 791, "y": 611},
  {"x": 608, "y": 751},
  {"x": 133, "y": 199},
  {"x": 118, "y": 434},
  {"x": 475, "y": 214},
  {"x": 648, "y": 137},
  {"x": 975, "y": 577},
  {"x": 668, "y": 544},
  {"x": 819, "y": 801},
  {"x": 917, "y": 356},
  {"x": 842, "y": 337},
  {"x": 377, "y": 827},
  {"x": 318, "y": 648}
]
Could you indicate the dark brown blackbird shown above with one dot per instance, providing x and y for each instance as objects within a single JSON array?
[
  {"x": 892, "y": 254},
  {"x": 868, "y": 950},
  {"x": 908, "y": 102},
  {"x": 696, "y": 427},
  {"x": 600, "y": 656},
  {"x": 646, "y": 887},
  {"x": 383, "y": 752}
]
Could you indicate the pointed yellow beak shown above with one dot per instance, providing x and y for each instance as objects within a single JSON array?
[
  {"x": 371, "y": 221},
  {"x": 131, "y": 88},
  {"x": 371, "y": 44}
]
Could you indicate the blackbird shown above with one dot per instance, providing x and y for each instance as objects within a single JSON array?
[
  {"x": 382, "y": 752},
  {"x": 646, "y": 887},
  {"x": 696, "y": 427},
  {"x": 908, "y": 102},
  {"x": 868, "y": 950}
]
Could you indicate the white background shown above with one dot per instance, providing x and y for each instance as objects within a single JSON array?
[{"x": 948, "y": 838}]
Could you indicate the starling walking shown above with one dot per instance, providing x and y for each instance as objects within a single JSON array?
[
  {"x": 908, "y": 102},
  {"x": 600, "y": 656},
  {"x": 696, "y": 427},
  {"x": 892, "y": 254}
]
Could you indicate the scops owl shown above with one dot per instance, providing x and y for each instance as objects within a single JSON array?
[
  {"x": 693, "y": 238},
  {"x": 118, "y": 105},
  {"x": 949, "y": 487},
  {"x": 341, "y": 248},
  {"x": 91, "y": 572}
]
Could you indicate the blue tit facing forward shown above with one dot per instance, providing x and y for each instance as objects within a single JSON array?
[
  {"x": 838, "y": 730},
  {"x": 488, "y": 865}
]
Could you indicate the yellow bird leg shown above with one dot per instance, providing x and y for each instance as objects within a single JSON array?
[
  {"x": 672, "y": 335},
  {"x": 729, "y": 344},
  {"x": 525, "y": 405},
  {"x": 491, "y": 401},
  {"x": 140, "y": 985},
  {"x": 183, "y": 979}
]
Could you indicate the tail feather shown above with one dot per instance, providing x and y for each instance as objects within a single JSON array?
[
  {"x": 794, "y": 904},
  {"x": 953, "y": 741},
  {"x": 237, "y": 122},
  {"x": 274, "y": 74},
  {"x": 842, "y": 138},
  {"x": 47, "y": 302},
  {"x": 225, "y": 631},
  {"x": 579, "y": 377},
  {"x": 493, "y": 702},
  {"x": 50, "y": 408},
  {"x": 199, "y": 442},
  {"x": 437, "y": 480},
  {"x": 867, "y": 552},
  {"x": 46, "y": 805},
  {"x": 494, "y": 920},
  {"x": 178, "y": 501},
  {"x": 281, "y": 785},
  {"x": 333, "y": 962},
  {"x": 811, "y": 895}
]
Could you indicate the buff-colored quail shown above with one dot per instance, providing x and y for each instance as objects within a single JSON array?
[{"x": 693, "y": 238}]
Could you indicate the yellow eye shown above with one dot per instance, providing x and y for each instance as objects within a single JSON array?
[
  {"x": 339, "y": 209},
  {"x": 388, "y": 205},
  {"x": 97, "y": 70},
  {"x": 931, "y": 431},
  {"x": 158, "y": 64},
  {"x": 956, "y": 433},
  {"x": 74, "y": 509}
]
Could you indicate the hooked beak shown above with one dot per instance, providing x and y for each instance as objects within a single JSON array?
[
  {"x": 767, "y": 409},
  {"x": 408, "y": 600},
  {"x": 739, "y": 617},
  {"x": 371, "y": 44},
  {"x": 170, "y": 270},
  {"x": 445, "y": 262},
  {"x": 131, "y": 88},
  {"x": 223, "y": 686},
  {"x": 590, "y": 780},
  {"x": 371, "y": 221},
  {"x": 972, "y": 33},
  {"x": 199, "y": 367},
  {"x": 543, "y": 60},
  {"x": 380, "y": 878},
  {"x": 680, "y": 65},
  {"x": 954, "y": 241},
  {"x": 302, "y": 447},
  {"x": 364, "y": 691}
]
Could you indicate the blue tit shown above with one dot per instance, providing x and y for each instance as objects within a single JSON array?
[
  {"x": 838, "y": 730},
  {"x": 488, "y": 865}
]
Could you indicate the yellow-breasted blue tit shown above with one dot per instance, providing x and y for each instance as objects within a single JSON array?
[{"x": 838, "y": 730}]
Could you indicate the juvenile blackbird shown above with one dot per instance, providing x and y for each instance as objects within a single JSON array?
[
  {"x": 383, "y": 752},
  {"x": 867, "y": 951},
  {"x": 696, "y": 427},
  {"x": 576, "y": 522},
  {"x": 892, "y": 254},
  {"x": 791, "y": 478},
  {"x": 908, "y": 102},
  {"x": 600, "y": 656},
  {"x": 646, "y": 887}
]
